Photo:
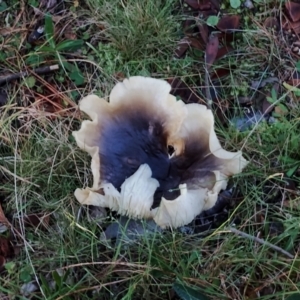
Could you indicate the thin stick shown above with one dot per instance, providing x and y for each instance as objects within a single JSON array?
[
  {"x": 260, "y": 241},
  {"x": 41, "y": 70}
]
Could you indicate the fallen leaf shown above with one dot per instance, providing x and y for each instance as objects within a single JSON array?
[
  {"x": 5, "y": 249},
  {"x": 272, "y": 23},
  {"x": 39, "y": 220},
  {"x": 221, "y": 72},
  {"x": 2, "y": 217},
  {"x": 197, "y": 4},
  {"x": 211, "y": 51},
  {"x": 182, "y": 90},
  {"x": 186, "y": 43},
  {"x": 228, "y": 23},
  {"x": 266, "y": 107},
  {"x": 182, "y": 47},
  {"x": 293, "y": 81},
  {"x": 189, "y": 27},
  {"x": 223, "y": 51},
  {"x": 196, "y": 43},
  {"x": 2, "y": 263},
  {"x": 203, "y": 30},
  {"x": 3, "y": 101},
  {"x": 69, "y": 33},
  {"x": 281, "y": 110},
  {"x": 293, "y": 10}
]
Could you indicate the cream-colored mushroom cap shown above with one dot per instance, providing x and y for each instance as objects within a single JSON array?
[{"x": 128, "y": 141}]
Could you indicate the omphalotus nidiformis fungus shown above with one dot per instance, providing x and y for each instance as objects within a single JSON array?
[{"x": 134, "y": 171}]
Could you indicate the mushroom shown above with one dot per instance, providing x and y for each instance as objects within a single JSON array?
[{"x": 134, "y": 173}]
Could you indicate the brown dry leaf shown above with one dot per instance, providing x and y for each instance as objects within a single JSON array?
[
  {"x": 228, "y": 23},
  {"x": 282, "y": 112},
  {"x": 223, "y": 51},
  {"x": 182, "y": 90},
  {"x": 39, "y": 220},
  {"x": 211, "y": 51},
  {"x": 196, "y": 43},
  {"x": 203, "y": 29},
  {"x": 294, "y": 79},
  {"x": 69, "y": 33},
  {"x": 3, "y": 219},
  {"x": 293, "y": 10},
  {"x": 219, "y": 73},
  {"x": 266, "y": 106},
  {"x": 5, "y": 248},
  {"x": 272, "y": 23},
  {"x": 2, "y": 263},
  {"x": 199, "y": 5},
  {"x": 11, "y": 30},
  {"x": 182, "y": 47},
  {"x": 188, "y": 27},
  {"x": 187, "y": 42},
  {"x": 3, "y": 98}
]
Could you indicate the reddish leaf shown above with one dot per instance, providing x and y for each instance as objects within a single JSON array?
[
  {"x": 203, "y": 29},
  {"x": 5, "y": 249},
  {"x": 294, "y": 79},
  {"x": 188, "y": 27},
  {"x": 293, "y": 10},
  {"x": 2, "y": 263},
  {"x": 199, "y": 5},
  {"x": 182, "y": 47},
  {"x": 3, "y": 219},
  {"x": 228, "y": 23},
  {"x": 223, "y": 51},
  {"x": 69, "y": 33},
  {"x": 219, "y": 73},
  {"x": 3, "y": 98},
  {"x": 197, "y": 43},
  {"x": 182, "y": 90},
  {"x": 272, "y": 23},
  {"x": 215, "y": 4},
  {"x": 227, "y": 37},
  {"x": 40, "y": 220},
  {"x": 266, "y": 106},
  {"x": 295, "y": 27},
  {"x": 211, "y": 51}
]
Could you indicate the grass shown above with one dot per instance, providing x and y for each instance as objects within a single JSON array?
[{"x": 41, "y": 166}]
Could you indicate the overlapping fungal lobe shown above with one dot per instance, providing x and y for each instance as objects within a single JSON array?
[
  {"x": 128, "y": 141},
  {"x": 133, "y": 173},
  {"x": 202, "y": 165}
]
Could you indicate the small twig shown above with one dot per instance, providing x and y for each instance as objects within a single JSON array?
[
  {"x": 41, "y": 70},
  {"x": 260, "y": 241}
]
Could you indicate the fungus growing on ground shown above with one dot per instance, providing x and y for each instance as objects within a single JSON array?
[{"x": 134, "y": 171}]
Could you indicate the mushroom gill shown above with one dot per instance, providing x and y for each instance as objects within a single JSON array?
[{"x": 133, "y": 173}]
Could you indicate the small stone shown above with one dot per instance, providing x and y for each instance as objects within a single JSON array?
[
  {"x": 297, "y": 43},
  {"x": 295, "y": 49},
  {"x": 249, "y": 4}
]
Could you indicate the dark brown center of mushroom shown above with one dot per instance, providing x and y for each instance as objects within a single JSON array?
[{"x": 133, "y": 138}]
